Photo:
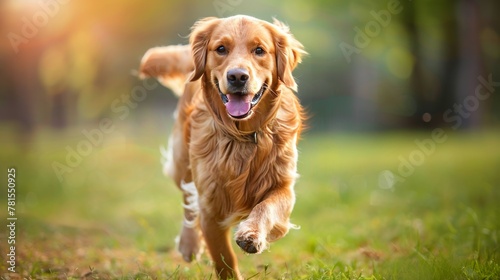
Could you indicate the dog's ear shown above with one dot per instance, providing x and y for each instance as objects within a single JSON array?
[
  {"x": 199, "y": 38},
  {"x": 289, "y": 53}
]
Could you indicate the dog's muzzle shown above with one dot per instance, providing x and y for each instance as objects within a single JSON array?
[{"x": 239, "y": 105}]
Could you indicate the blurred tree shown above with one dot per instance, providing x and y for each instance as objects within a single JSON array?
[
  {"x": 422, "y": 62},
  {"x": 471, "y": 62},
  {"x": 433, "y": 77}
]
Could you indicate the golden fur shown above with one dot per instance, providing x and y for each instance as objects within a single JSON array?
[{"x": 243, "y": 163}]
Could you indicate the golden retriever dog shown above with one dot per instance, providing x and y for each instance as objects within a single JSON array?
[{"x": 233, "y": 149}]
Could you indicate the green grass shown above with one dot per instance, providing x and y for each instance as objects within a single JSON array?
[{"x": 115, "y": 216}]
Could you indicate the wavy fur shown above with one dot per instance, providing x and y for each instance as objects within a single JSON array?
[{"x": 242, "y": 170}]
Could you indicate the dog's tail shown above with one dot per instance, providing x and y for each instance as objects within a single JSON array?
[{"x": 171, "y": 65}]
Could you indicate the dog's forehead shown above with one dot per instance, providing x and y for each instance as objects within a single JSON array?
[{"x": 242, "y": 29}]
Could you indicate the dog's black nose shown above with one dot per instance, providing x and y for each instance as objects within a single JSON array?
[{"x": 237, "y": 77}]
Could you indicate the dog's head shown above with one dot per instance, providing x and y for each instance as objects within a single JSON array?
[{"x": 243, "y": 59}]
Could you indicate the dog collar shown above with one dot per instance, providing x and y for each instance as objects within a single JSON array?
[
  {"x": 251, "y": 137},
  {"x": 254, "y": 137}
]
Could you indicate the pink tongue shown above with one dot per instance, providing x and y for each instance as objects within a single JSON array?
[{"x": 238, "y": 105}]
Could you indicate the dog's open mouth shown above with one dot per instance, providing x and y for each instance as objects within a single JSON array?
[{"x": 239, "y": 105}]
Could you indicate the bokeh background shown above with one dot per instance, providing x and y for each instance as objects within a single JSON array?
[
  {"x": 71, "y": 59},
  {"x": 84, "y": 132}
]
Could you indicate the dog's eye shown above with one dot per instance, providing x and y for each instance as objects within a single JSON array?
[
  {"x": 259, "y": 51},
  {"x": 221, "y": 50}
]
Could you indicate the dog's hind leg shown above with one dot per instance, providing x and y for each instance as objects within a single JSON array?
[
  {"x": 176, "y": 165},
  {"x": 190, "y": 241}
]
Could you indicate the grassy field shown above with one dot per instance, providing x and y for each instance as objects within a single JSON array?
[{"x": 370, "y": 206}]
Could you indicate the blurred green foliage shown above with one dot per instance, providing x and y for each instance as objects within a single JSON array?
[{"x": 372, "y": 64}]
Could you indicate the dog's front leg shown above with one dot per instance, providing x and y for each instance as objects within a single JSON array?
[
  {"x": 218, "y": 241},
  {"x": 268, "y": 221}
]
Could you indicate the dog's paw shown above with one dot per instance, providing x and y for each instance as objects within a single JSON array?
[
  {"x": 190, "y": 244},
  {"x": 250, "y": 241},
  {"x": 248, "y": 246}
]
